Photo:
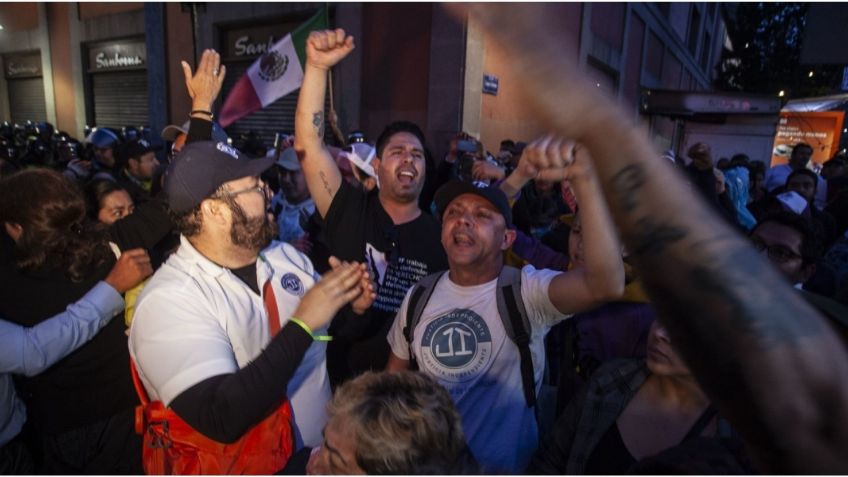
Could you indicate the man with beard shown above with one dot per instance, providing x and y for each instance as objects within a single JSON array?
[
  {"x": 386, "y": 227},
  {"x": 205, "y": 335}
]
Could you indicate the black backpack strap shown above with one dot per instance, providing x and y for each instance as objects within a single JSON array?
[
  {"x": 514, "y": 317},
  {"x": 702, "y": 422},
  {"x": 421, "y": 293}
]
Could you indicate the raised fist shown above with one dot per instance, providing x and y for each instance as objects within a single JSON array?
[{"x": 326, "y": 48}]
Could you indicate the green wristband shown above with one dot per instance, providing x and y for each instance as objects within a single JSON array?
[{"x": 308, "y": 330}]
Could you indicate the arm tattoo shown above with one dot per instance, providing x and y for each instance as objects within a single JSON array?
[
  {"x": 326, "y": 184},
  {"x": 318, "y": 123},
  {"x": 648, "y": 236}
]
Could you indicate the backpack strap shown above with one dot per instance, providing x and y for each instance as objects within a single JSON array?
[
  {"x": 703, "y": 420},
  {"x": 421, "y": 293},
  {"x": 514, "y": 317}
]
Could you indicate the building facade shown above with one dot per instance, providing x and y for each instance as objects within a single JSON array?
[{"x": 118, "y": 64}]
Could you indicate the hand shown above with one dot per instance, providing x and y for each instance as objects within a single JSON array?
[
  {"x": 486, "y": 171},
  {"x": 720, "y": 186},
  {"x": 203, "y": 87},
  {"x": 336, "y": 288},
  {"x": 367, "y": 292},
  {"x": 303, "y": 244},
  {"x": 131, "y": 269},
  {"x": 326, "y": 48},
  {"x": 547, "y": 156}
]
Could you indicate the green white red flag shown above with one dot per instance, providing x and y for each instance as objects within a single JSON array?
[{"x": 276, "y": 73}]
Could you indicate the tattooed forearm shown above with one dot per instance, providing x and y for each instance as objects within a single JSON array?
[
  {"x": 318, "y": 123},
  {"x": 326, "y": 184},
  {"x": 652, "y": 237},
  {"x": 626, "y": 183},
  {"x": 648, "y": 235}
]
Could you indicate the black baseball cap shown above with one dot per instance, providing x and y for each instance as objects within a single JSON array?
[
  {"x": 453, "y": 189},
  {"x": 136, "y": 148},
  {"x": 202, "y": 167}
]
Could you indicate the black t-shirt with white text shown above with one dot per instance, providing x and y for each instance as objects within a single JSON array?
[{"x": 358, "y": 228}]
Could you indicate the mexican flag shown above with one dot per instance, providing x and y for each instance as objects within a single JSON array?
[{"x": 276, "y": 73}]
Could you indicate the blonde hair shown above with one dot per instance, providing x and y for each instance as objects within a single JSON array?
[{"x": 402, "y": 423}]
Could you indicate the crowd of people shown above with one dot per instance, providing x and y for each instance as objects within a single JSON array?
[{"x": 336, "y": 305}]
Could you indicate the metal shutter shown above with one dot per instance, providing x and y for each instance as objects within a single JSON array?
[
  {"x": 26, "y": 100},
  {"x": 120, "y": 99},
  {"x": 279, "y": 116}
]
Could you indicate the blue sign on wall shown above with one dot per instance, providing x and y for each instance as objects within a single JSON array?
[{"x": 490, "y": 84}]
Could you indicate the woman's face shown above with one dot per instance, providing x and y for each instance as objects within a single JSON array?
[
  {"x": 662, "y": 359},
  {"x": 115, "y": 205}
]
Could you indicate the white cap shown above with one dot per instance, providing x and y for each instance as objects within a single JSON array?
[
  {"x": 793, "y": 201},
  {"x": 360, "y": 155}
]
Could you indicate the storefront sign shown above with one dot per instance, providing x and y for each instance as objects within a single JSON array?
[
  {"x": 490, "y": 84},
  {"x": 22, "y": 66},
  {"x": 250, "y": 43},
  {"x": 117, "y": 56},
  {"x": 821, "y": 130}
]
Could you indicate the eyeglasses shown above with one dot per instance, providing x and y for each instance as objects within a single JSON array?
[
  {"x": 261, "y": 188},
  {"x": 778, "y": 253}
]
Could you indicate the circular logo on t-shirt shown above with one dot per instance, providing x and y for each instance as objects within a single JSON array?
[
  {"x": 457, "y": 346},
  {"x": 292, "y": 284}
]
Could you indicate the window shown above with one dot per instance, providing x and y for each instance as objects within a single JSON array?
[
  {"x": 705, "y": 52},
  {"x": 694, "y": 30}
]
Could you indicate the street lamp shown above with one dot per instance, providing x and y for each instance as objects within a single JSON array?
[
  {"x": 810, "y": 75},
  {"x": 781, "y": 93}
]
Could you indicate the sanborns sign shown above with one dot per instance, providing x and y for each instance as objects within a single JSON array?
[
  {"x": 117, "y": 56},
  {"x": 23, "y": 65}
]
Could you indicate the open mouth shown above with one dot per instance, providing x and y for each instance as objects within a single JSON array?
[
  {"x": 463, "y": 240},
  {"x": 406, "y": 176}
]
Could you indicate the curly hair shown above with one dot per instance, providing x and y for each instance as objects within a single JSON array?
[
  {"x": 402, "y": 423},
  {"x": 51, "y": 211}
]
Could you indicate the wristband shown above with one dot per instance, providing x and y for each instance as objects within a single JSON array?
[
  {"x": 308, "y": 330},
  {"x": 200, "y": 111}
]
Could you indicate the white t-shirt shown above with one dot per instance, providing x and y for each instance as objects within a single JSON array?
[
  {"x": 461, "y": 342},
  {"x": 195, "y": 320}
]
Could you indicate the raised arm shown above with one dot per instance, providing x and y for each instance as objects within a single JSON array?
[
  {"x": 602, "y": 278},
  {"x": 323, "y": 50},
  {"x": 769, "y": 361},
  {"x": 30, "y": 351}
]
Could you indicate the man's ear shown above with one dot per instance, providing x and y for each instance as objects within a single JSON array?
[
  {"x": 807, "y": 271},
  {"x": 215, "y": 212},
  {"x": 375, "y": 163},
  {"x": 509, "y": 238},
  {"x": 14, "y": 230},
  {"x": 369, "y": 183}
]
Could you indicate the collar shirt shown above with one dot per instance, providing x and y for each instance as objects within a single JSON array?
[{"x": 196, "y": 320}]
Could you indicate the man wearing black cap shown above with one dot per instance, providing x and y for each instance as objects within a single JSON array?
[
  {"x": 460, "y": 338},
  {"x": 138, "y": 158},
  {"x": 204, "y": 337}
]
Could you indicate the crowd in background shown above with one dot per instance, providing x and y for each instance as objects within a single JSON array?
[{"x": 600, "y": 388}]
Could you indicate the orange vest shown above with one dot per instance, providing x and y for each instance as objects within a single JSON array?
[{"x": 172, "y": 447}]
